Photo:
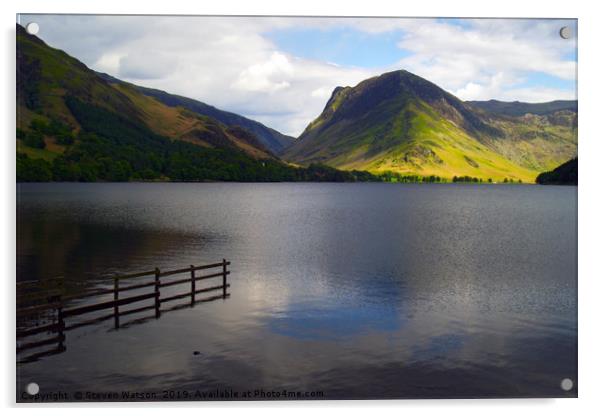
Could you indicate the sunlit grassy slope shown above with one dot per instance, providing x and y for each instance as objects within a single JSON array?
[{"x": 434, "y": 146}]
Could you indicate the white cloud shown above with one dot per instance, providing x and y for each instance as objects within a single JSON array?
[
  {"x": 536, "y": 95},
  {"x": 146, "y": 65},
  {"x": 232, "y": 64},
  {"x": 269, "y": 76},
  {"x": 488, "y": 57},
  {"x": 109, "y": 63},
  {"x": 322, "y": 92},
  {"x": 491, "y": 86}
]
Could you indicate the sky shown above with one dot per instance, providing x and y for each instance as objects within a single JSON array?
[{"x": 282, "y": 70}]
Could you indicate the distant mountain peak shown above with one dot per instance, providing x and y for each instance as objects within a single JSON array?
[{"x": 401, "y": 86}]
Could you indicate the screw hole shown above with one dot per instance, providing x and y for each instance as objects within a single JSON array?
[
  {"x": 566, "y": 384},
  {"x": 565, "y": 32},
  {"x": 32, "y": 389},
  {"x": 32, "y": 28}
]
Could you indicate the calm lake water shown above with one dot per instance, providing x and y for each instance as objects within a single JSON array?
[{"x": 355, "y": 290}]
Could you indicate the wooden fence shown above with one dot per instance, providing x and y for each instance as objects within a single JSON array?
[{"x": 145, "y": 286}]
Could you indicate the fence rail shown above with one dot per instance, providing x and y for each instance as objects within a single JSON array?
[{"x": 52, "y": 292}]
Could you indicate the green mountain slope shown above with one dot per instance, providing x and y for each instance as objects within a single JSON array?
[
  {"x": 269, "y": 138},
  {"x": 402, "y": 123}
]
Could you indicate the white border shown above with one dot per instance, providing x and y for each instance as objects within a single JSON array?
[{"x": 590, "y": 209}]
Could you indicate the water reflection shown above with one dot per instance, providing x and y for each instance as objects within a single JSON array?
[
  {"x": 86, "y": 250},
  {"x": 313, "y": 322},
  {"x": 360, "y": 290}
]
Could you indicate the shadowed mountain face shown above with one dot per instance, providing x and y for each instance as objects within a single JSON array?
[
  {"x": 402, "y": 123},
  {"x": 565, "y": 174}
]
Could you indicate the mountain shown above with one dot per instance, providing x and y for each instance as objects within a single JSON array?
[
  {"x": 271, "y": 139},
  {"x": 74, "y": 125},
  {"x": 399, "y": 122},
  {"x": 517, "y": 108},
  {"x": 565, "y": 174},
  {"x": 49, "y": 79}
]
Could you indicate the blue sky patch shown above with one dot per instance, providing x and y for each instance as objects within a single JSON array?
[
  {"x": 571, "y": 55},
  {"x": 342, "y": 46},
  {"x": 463, "y": 23},
  {"x": 541, "y": 79}
]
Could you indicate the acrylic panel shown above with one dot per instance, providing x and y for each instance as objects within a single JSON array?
[{"x": 295, "y": 208}]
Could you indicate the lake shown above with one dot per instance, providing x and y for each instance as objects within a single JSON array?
[{"x": 351, "y": 290}]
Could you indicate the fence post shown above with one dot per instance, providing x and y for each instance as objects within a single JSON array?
[
  {"x": 116, "y": 298},
  {"x": 192, "y": 285},
  {"x": 224, "y": 277},
  {"x": 61, "y": 323},
  {"x": 157, "y": 293}
]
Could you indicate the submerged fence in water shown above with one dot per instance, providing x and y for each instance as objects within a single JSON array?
[{"x": 55, "y": 301}]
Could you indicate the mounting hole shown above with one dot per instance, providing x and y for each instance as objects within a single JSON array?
[
  {"x": 32, "y": 28},
  {"x": 565, "y": 32},
  {"x": 32, "y": 389},
  {"x": 566, "y": 384}
]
